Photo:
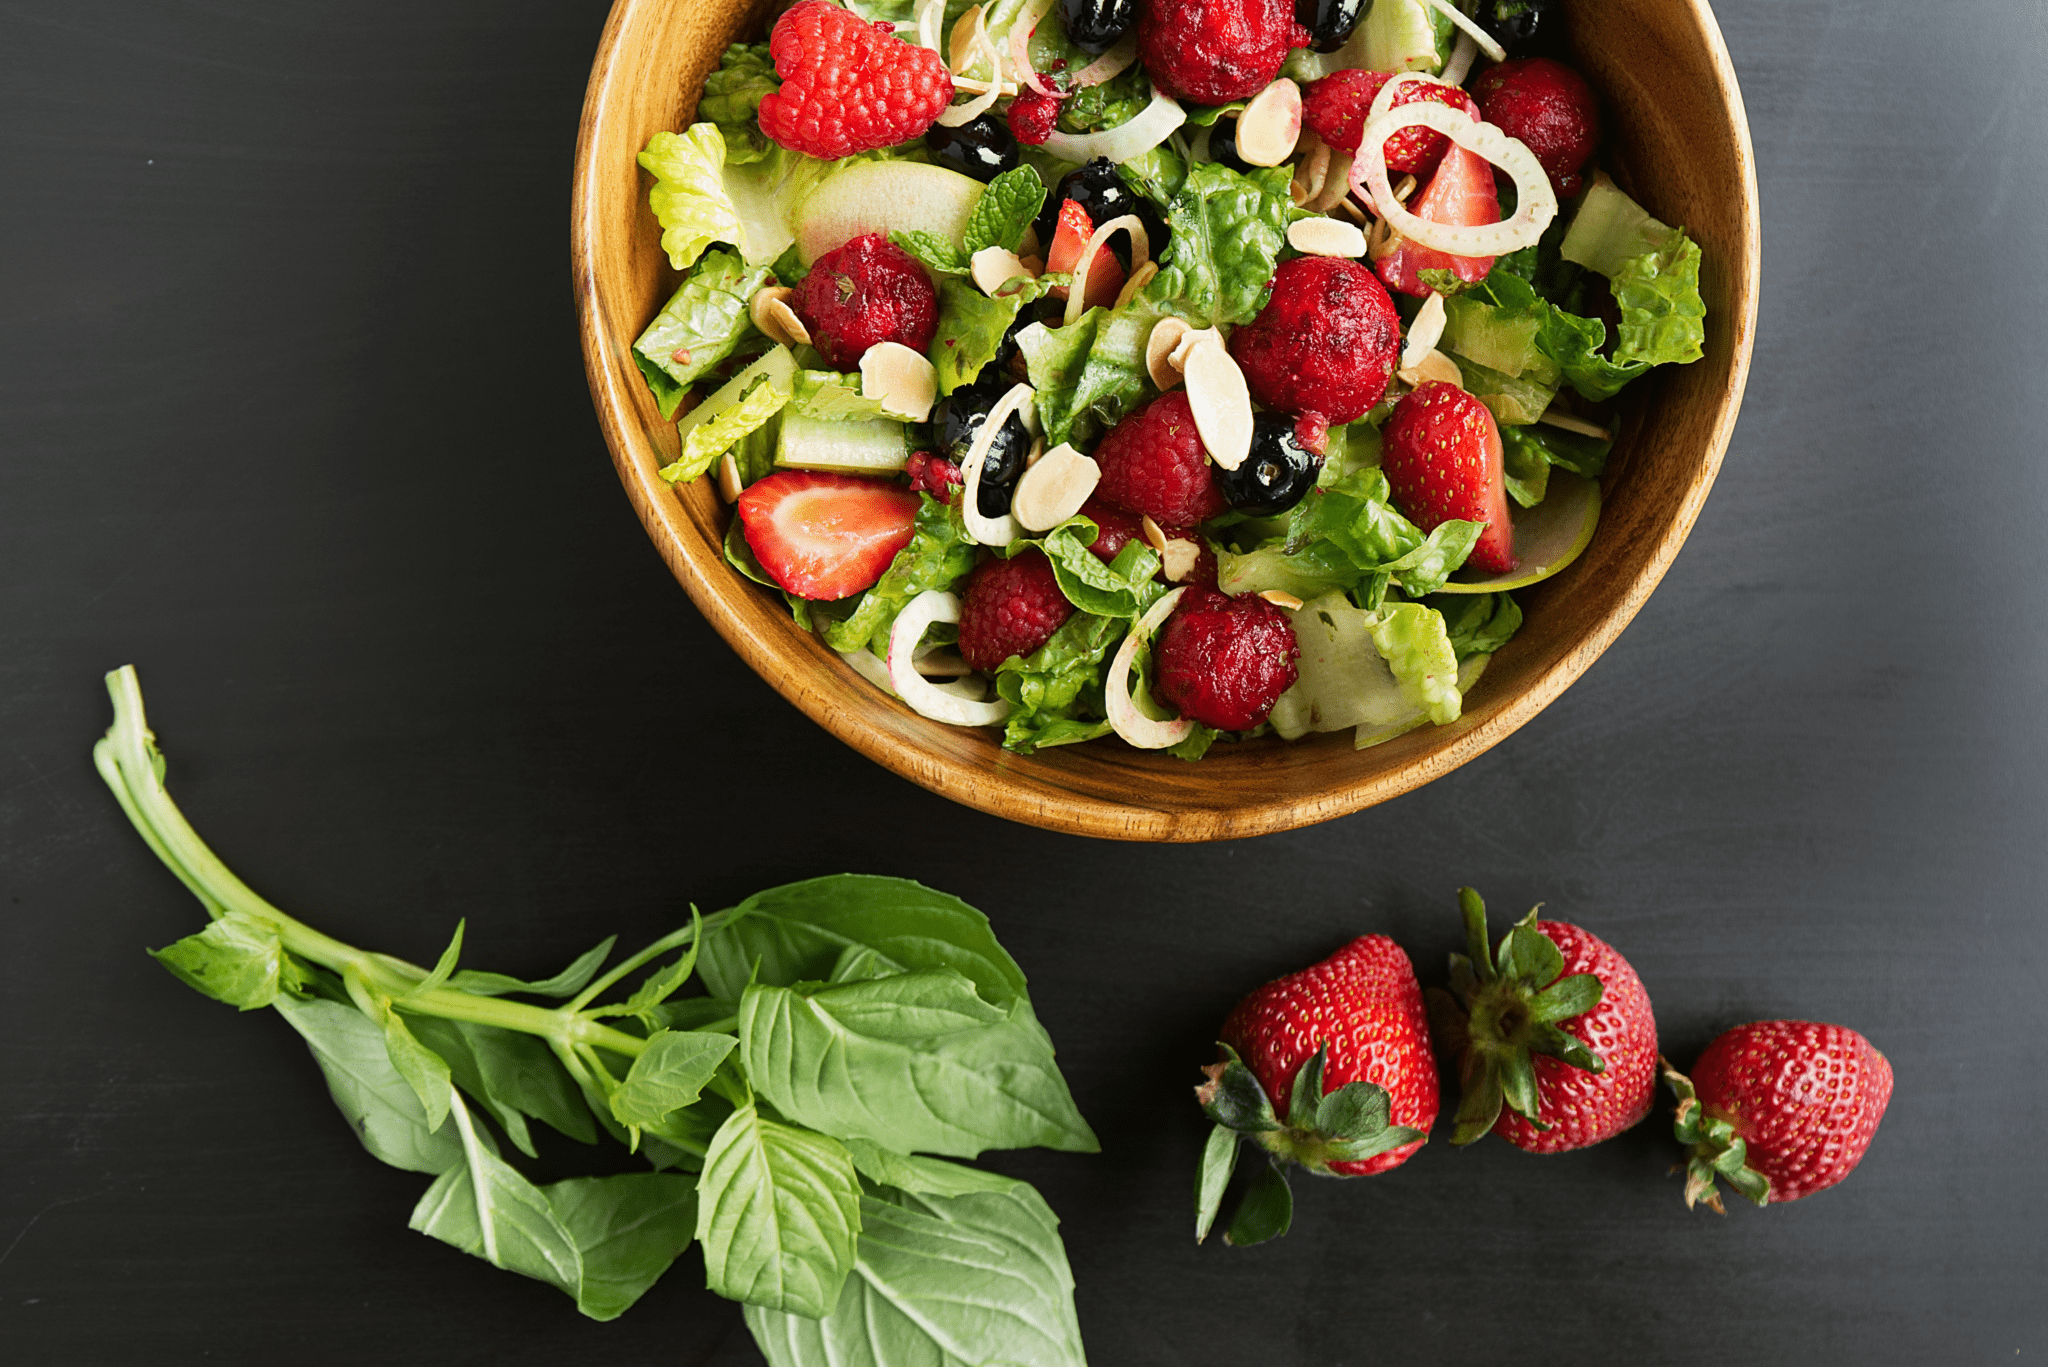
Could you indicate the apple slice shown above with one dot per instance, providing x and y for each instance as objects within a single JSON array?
[
  {"x": 1548, "y": 536},
  {"x": 883, "y": 197}
]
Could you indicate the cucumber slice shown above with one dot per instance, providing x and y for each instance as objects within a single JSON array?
[
  {"x": 875, "y": 446},
  {"x": 1548, "y": 536}
]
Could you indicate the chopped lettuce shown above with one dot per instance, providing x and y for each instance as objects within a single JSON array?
[
  {"x": 1412, "y": 639},
  {"x": 1110, "y": 104},
  {"x": 744, "y": 404},
  {"x": 1608, "y": 229},
  {"x": 1055, "y": 692},
  {"x": 732, "y": 100},
  {"x": 1663, "y": 318},
  {"x": 1513, "y": 399},
  {"x": 831, "y": 395},
  {"x": 698, "y": 199},
  {"x": 938, "y": 557},
  {"x": 972, "y": 325},
  {"x": 1478, "y": 623},
  {"x": 1123, "y": 588},
  {"x": 1091, "y": 372},
  {"x": 1158, "y": 174},
  {"x": 700, "y": 325},
  {"x": 1228, "y": 229},
  {"x": 1350, "y": 536},
  {"x": 1529, "y": 452}
]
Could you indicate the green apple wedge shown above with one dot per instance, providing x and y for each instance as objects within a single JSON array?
[
  {"x": 881, "y": 197},
  {"x": 1548, "y": 537}
]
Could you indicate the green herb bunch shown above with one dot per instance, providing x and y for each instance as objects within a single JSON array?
[{"x": 850, "y": 1027}]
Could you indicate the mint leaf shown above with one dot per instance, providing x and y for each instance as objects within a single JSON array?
[
  {"x": 975, "y": 1278},
  {"x": 379, "y": 1105},
  {"x": 1005, "y": 210},
  {"x": 912, "y": 1062},
  {"x": 937, "y": 254},
  {"x": 797, "y": 932},
  {"x": 778, "y": 1213}
]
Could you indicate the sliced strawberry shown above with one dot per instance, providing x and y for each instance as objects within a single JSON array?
[
  {"x": 1441, "y": 455},
  {"x": 1461, "y": 193},
  {"x": 826, "y": 536},
  {"x": 1105, "y": 277}
]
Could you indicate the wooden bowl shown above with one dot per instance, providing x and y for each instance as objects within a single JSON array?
[{"x": 1676, "y": 137}]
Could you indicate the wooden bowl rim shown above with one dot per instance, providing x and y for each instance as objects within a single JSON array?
[{"x": 1047, "y": 804}]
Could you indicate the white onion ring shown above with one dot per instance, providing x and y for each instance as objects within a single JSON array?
[
  {"x": 1110, "y": 64},
  {"x": 1460, "y": 66},
  {"x": 1141, "y": 252},
  {"x": 993, "y": 531},
  {"x": 930, "y": 15},
  {"x": 1536, "y": 206},
  {"x": 1494, "y": 51},
  {"x": 1124, "y": 717},
  {"x": 865, "y": 663},
  {"x": 1146, "y": 129},
  {"x": 1426, "y": 331},
  {"x": 1021, "y": 30},
  {"x": 979, "y": 45},
  {"x": 927, "y": 699}
]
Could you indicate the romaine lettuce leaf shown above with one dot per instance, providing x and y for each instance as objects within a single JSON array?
[
  {"x": 1478, "y": 623},
  {"x": 1091, "y": 372},
  {"x": 742, "y": 405},
  {"x": 1055, "y": 693},
  {"x": 1157, "y": 174},
  {"x": 700, "y": 325},
  {"x": 1350, "y": 536},
  {"x": 1414, "y": 642},
  {"x": 1228, "y": 230},
  {"x": 1123, "y": 588},
  {"x": 1663, "y": 318},
  {"x": 732, "y": 100},
  {"x": 698, "y": 199},
  {"x": 1529, "y": 452},
  {"x": 938, "y": 557}
]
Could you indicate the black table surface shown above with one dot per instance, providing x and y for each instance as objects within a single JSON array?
[{"x": 292, "y": 417}]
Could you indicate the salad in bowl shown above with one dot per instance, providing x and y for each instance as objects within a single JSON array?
[{"x": 1171, "y": 370}]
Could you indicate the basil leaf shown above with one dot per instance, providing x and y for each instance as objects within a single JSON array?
[
  {"x": 484, "y": 1207},
  {"x": 913, "y": 1062},
  {"x": 798, "y": 931},
  {"x": 512, "y": 1074},
  {"x": 567, "y": 983},
  {"x": 669, "y": 1075},
  {"x": 237, "y": 960},
  {"x": 380, "y": 1106},
  {"x": 778, "y": 1213},
  {"x": 1006, "y": 208},
  {"x": 923, "y": 1176},
  {"x": 976, "y": 1278},
  {"x": 628, "y": 1229}
]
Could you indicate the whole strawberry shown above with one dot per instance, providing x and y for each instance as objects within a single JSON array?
[
  {"x": 1553, "y": 1034},
  {"x": 1441, "y": 454},
  {"x": 848, "y": 85},
  {"x": 1342, "y": 1049},
  {"x": 1781, "y": 1109}
]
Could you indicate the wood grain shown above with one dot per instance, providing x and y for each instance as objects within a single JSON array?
[{"x": 1677, "y": 137}]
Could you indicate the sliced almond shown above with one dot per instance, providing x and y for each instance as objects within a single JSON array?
[
  {"x": 1191, "y": 339},
  {"x": 1140, "y": 278},
  {"x": 1154, "y": 534},
  {"x": 1270, "y": 124},
  {"x": 1159, "y": 348},
  {"x": 1221, "y": 401},
  {"x": 1557, "y": 417},
  {"x": 993, "y": 267},
  {"x": 1054, "y": 489},
  {"x": 1281, "y": 598},
  {"x": 1036, "y": 453},
  {"x": 772, "y": 314},
  {"x": 1326, "y": 237},
  {"x": 1177, "y": 562},
  {"x": 1435, "y": 366},
  {"x": 729, "y": 478},
  {"x": 1425, "y": 332},
  {"x": 902, "y": 380}
]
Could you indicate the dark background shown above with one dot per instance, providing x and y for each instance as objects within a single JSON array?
[{"x": 292, "y": 417}]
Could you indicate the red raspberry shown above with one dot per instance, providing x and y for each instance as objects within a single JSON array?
[
  {"x": 1032, "y": 116},
  {"x": 934, "y": 475},
  {"x": 1012, "y": 608},
  {"x": 1214, "y": 51},
  {"x": 1335, "y": 108},
  {"x": 1116, "y": 528},
  {"x": 847, "y": 85},
  {"x": 1154, "y": 463},
  {"x": 1223, "y": 661},
  {"x": 1549, "y": 107},
  {"x": 864, "y": 293},
  {"x": 1325, "y": 343}
]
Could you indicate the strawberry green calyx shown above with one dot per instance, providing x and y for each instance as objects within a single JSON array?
[
  {"x": 1505, "y": 1010},
  {"x": 1717, "y": 1150},
  {"x": 1348, "y": 1125}
]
